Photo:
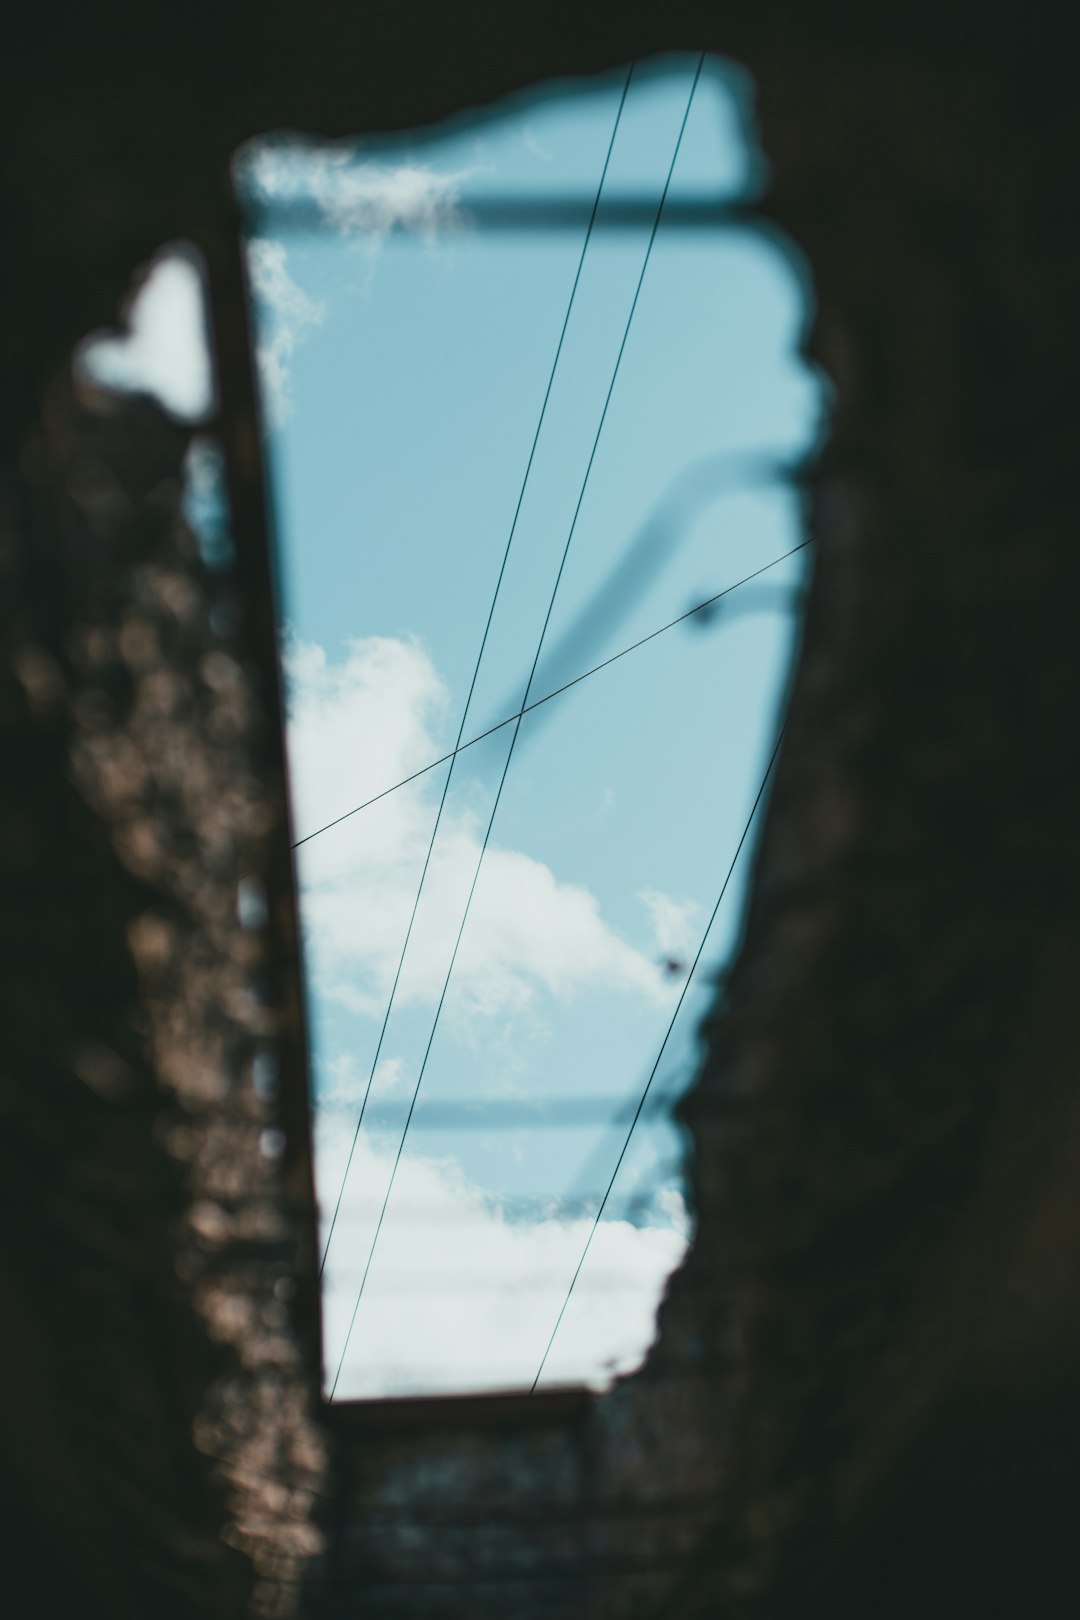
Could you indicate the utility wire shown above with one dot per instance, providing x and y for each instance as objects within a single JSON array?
[
  {"x": 659, "y": 1056},
  {"x": 699, "y": 607},
  {"x": 517, "y": 724},
  {"x": 476, "y": 669}
]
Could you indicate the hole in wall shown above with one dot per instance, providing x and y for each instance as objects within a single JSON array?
[
  {"x": 163, "y": 348},
  {"x": 534, "y": 409}
]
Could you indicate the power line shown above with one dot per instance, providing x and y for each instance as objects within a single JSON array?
[
  {"x": 476, "y": 668},
  {"x": 699, "y": 607},
  {"x": 659, "y": 1056},
  {"x": 517, "y": 725}
]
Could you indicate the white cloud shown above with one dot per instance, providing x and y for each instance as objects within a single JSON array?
[
  {"x": 461, "y": 1297},
  {"x": 673, "y": 923},
  {"x": 672, "y": 1205},
  {"x": 342, "y": 1083},
  {"x": 366, "y": 200},
  {"x": 351, "y": 194},
  {"x": 286, "y": 316},
  {"x": 358, "y": 726},
  {"x": 165, "y": 351},
  {"x": 390, "y": 1078}
]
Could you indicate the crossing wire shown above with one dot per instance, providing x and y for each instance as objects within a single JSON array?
[
  {"x": 476, "y": 672},
  {"x": 659, "y": 1056},
  {"x": 698, "y": 607},
  {"x": 517, "y": 725}
]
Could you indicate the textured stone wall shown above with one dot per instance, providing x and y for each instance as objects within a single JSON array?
[
  {"x": 887, "y": 1126},
  {"x": 154, "y": 1234}
]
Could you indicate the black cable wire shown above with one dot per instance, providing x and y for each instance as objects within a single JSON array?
[
  {"x": 517, "y": 726},
  {"x": 476, "y": 669},
  {"x": 699, "y": 607},
  {"x": 659, "y": 1056}
]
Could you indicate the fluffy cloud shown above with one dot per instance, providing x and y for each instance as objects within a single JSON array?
[
  {"x": 363, "y": 199},
  {"x": 344, "y": 1084},
  {"x": 165, "y": 351},
  {"x": 360, "y": 725},
  {"x": 454, "y": 1269},
  {"x": 286, "y": 315},
  {"x": 460, "y": 1296},
  {"x": 349, "y": 194},
  {"x": 674, "y": 923}
]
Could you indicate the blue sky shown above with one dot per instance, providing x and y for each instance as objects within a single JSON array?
[{"x": 404, "y": 355}]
